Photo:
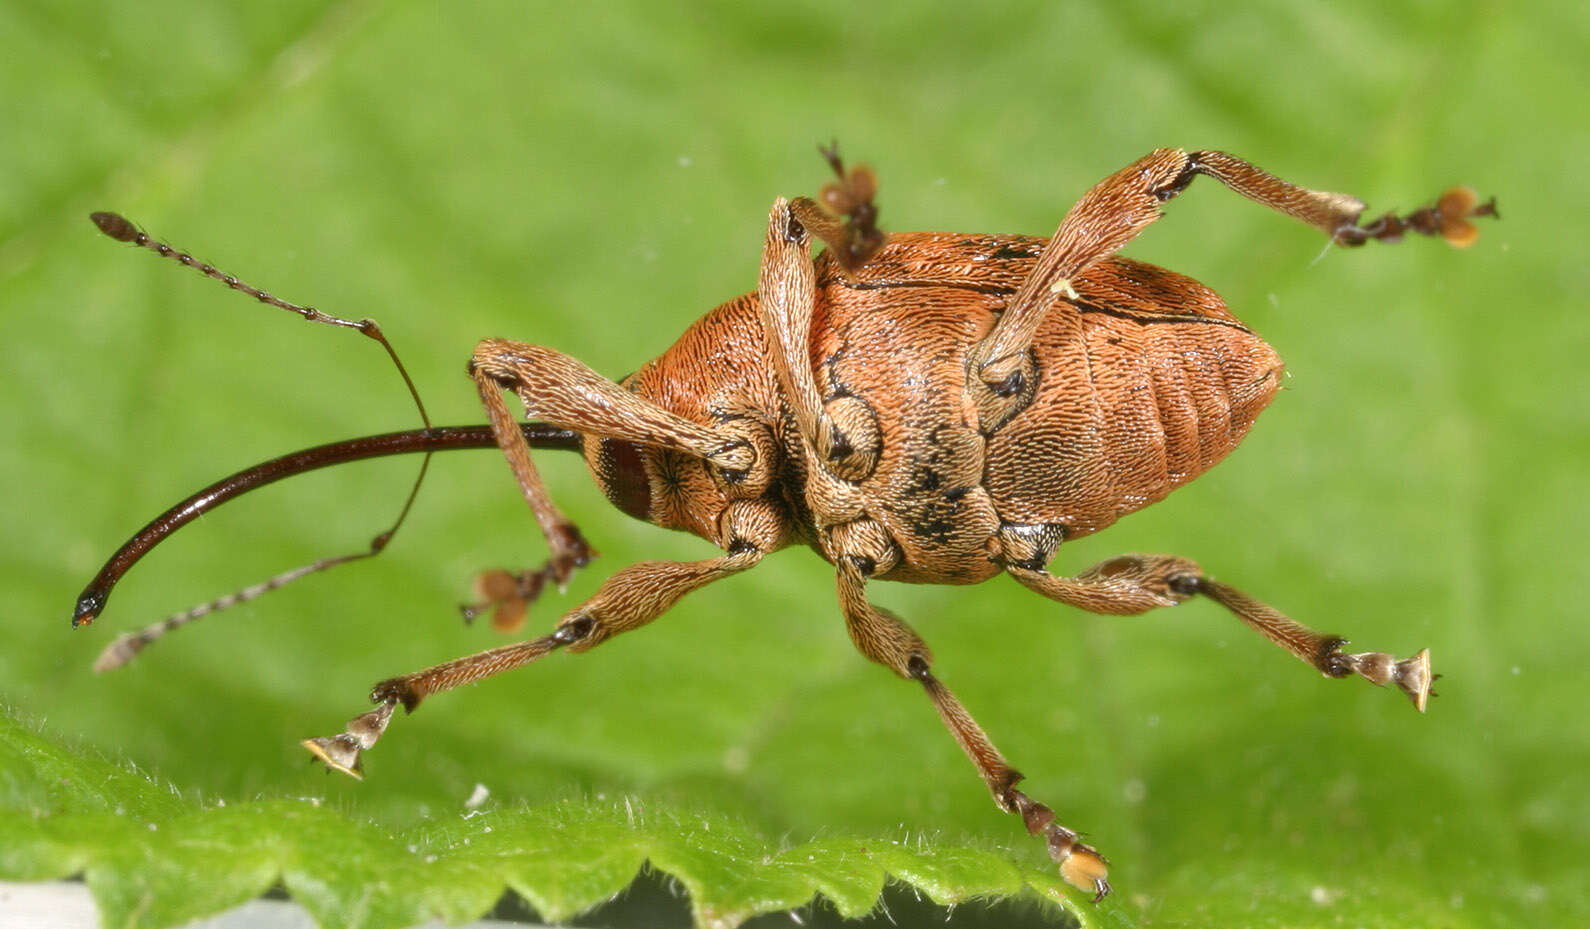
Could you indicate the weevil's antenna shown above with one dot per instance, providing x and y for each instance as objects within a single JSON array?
[
  {"x": 121, "y": 229},
  {"x": 91, "y": 602}
]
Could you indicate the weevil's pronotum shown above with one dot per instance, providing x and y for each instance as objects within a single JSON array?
[{"x": 933, "y": 408}]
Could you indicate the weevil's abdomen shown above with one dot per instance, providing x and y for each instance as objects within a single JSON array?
[{"x": 1145, "y": 382}]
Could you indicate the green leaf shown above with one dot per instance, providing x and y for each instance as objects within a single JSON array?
[
  {"x": 593, "y": 179},
  {"x": 159, "y": 861}
]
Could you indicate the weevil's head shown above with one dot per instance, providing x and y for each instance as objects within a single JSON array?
[
  {"x": 676, "y": 490},
  {"x": 714, "y": 376}
]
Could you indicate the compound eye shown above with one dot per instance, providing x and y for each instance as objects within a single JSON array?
[{"x": 621, "y": 472}]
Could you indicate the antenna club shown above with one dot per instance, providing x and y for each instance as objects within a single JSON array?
[{"x": 115, "y": 225}]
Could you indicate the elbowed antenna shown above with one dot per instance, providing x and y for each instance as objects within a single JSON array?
[
  {"x": 91, "y": 602},
  {"x": 426, "y": 440}
]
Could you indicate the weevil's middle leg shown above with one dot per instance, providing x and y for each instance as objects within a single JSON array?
[
  {"x": 860, "y": 550},
  {"x": 1080, "y": 864},
  {"x": 1131, "y": 584}
]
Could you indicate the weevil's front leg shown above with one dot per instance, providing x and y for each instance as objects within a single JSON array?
[
  {"x": 628, "y": 600},
  {"x": 857, "y": 237},
  {"x": 1122, "y": 205},
  {"x": 841, "y": 432},
  {"x": 862, "y": 549},
  {"x": 563, "y": 391},
  {"x": 1131, "y": 584}
]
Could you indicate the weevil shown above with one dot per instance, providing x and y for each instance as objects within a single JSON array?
[{"x": 929, "y": 408}]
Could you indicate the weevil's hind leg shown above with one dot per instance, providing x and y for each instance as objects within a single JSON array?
[
  {"x": 1121, "y": 206},
  {"x": 628, "y": 600},
  {"x": 1131, "y": 584},
  {"x": 862, "y": 549},
  {"x": 1324, "y": 652},
  {"x": 857, "y": 238}
]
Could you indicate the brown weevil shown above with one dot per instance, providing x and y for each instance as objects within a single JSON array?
[{"x": 922, "y": 407}]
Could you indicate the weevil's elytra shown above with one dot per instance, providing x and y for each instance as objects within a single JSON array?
[{"x": 924, "y": 407}]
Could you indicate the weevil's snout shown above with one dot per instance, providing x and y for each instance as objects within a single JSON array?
[{"x": 89, "y": 604}]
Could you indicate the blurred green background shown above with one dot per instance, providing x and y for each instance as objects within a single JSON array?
[{"x": 593, "y": 180}]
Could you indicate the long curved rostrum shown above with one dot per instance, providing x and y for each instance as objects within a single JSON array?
[{"x": 91, "y": 602}]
